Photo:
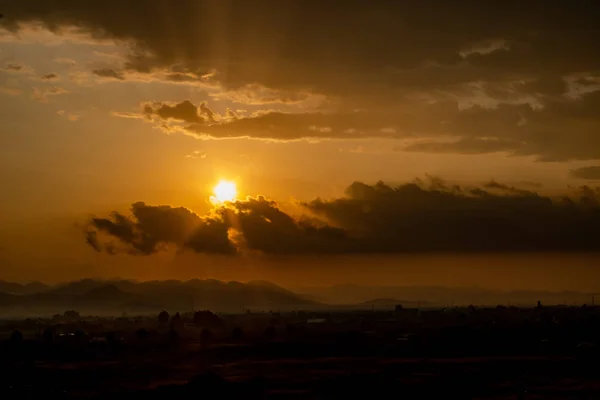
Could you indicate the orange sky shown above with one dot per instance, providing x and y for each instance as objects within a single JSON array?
[{"x": 102, "y": 106}]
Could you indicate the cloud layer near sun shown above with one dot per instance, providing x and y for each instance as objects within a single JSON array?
[
  {"x": 453, "y": 77},
  {"x": 422, "y": 216}
]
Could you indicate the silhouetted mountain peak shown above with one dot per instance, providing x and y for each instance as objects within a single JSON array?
[
  {"x": 77, "y": 287},
  {"x": 382, "y": 301},
  {"x": 17, "y": 288},
  {"x": 152, "y": 296},
  {"x": 6, "y": 298},
  {"x": 104, "y": 290},
  {"x": 35, "y": 287},
  {"x": 10, "y": 287}
]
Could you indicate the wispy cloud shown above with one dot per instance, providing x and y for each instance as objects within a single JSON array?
[{"x": 43, "y": 94}]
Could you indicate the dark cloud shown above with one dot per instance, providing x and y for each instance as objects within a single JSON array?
[
  {"x": 551, "y": 85},
  {"x": 567, "y": 133},
  {"x": 178, "y": 77},
  {"x": 494, "y": 185},
  {"x": 563, "y": 130},
  {"x": 466, "y": 146},
  {"x": 424, "y": 216},
  {"x": 50, "y": 77},
  {"x": 287, "y": 126},
  {"x": 260, "y": 224},
  {"x": 256, "y": 94},
  {"x": 592, "y": 172},
  {"x": 467, "y": 69},
  {"x": 42, "y": 94},
  {"x": 185, "y": 111},
  {"x": 206, "y": 113},
  {"x": 414, "y": 217},
  {"x": 14, "y": 67},
  {"x": 263, "y": 41},
  {"x": 268, "y": 229},
  {"x": 151, "y": 227},
  {"x": 202, "y": 120},
  {"x": 108, "y": 73}
]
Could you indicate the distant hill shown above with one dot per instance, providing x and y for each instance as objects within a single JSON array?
[
  {"x": 387, "y": 302},
  {"x": 17, "y": 288},
  {"x": 35, "y": 287},
  {"x": 107, "y": 294},
  {"x": 437, "y": 295},
  {"x": 10, "y": 287},
  {"x": 6, "y": 299},
  {"x": 76, "y": 287},
  {"x": 381, "y": 302},
  {"x": 91, "y": 296},
  {"x": 117, "y": 296}
]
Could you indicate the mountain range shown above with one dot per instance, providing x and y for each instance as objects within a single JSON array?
[
  {"x": 91, "y": 296},
  {"x": 118, "y": 296},
  {"x": 17, "y": 288},
  {"x": 427, "y": 296}
]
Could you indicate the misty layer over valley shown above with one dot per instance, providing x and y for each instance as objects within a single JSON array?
[{"x": 115, "y": 297}]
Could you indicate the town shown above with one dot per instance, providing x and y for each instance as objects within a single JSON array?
[{"x": 405, "y": 350}]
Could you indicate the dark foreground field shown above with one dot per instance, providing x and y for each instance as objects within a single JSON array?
[
  {"x": 381, "y": 357},
  {"x": 329, "y": 377}
]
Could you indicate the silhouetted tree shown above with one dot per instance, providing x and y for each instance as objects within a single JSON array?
[
  {"x": 16, "y": 336},
  {"x": 207, "y": 319},
  {"x": 398, "y": 308},
  {"x": 142, "y": 334},
  {"x": 172, "y": 336},
  {"x": 237, "y": 334},
  {"x": 71, "y": 315},
  {"x": 111, "y": 337},
  {"x": 49, "y": 334},
  {"x": 270, "y": 332},
  {"x": 163, "y": 318},
  {"x": 291, "y": 329},
  {"x": 206, "y": 337},
  {"x": 176, "y": 322},
  {"x": 80, "y": 336}
]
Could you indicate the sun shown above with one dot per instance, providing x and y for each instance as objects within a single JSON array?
[{"x": 225, "y": 191}]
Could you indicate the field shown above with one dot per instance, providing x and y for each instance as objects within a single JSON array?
[{"x": 356, "y": 355}]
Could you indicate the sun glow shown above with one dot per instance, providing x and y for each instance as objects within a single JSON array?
[{"x": 224, "y": 191}]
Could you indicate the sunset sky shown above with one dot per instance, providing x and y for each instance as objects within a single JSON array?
[{"x": 482, "y": 118}]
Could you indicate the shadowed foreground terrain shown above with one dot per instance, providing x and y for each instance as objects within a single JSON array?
[{"x": 469, "y": 353}]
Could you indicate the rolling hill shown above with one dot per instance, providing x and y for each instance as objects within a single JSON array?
[{"x": 117, "y": 296}]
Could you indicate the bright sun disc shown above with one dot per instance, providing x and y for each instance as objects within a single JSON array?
[{"x": 225, "y": 191}]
